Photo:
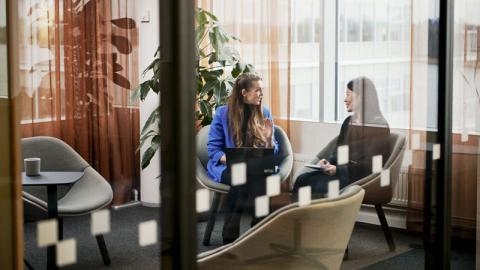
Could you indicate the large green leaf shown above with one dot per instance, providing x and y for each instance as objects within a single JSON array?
[
  {"x": 220, "y": 93},
  {"x": 156, "y": 62},
  {"x": 147, "y": 157},
  {"x": 153, "y": 118},
  {"x": 238, "y": 69},
  {"x": 209, "y": 86},
  {"x": 205, "y": 107},
  {"x": 213, "y": 17},
  {"x": 144, "y": 89},
  {"x": 202, "y": 17},
  {"x": 199, "y": 33},
  {"x": 156, "y": 142}
]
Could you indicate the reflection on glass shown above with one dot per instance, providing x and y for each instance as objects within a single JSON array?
[
  {"x": 79, "y": 64},
  {"x": 365, "y": 133}
]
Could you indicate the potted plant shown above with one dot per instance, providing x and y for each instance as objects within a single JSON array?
[{"x": 217, "y": 65}]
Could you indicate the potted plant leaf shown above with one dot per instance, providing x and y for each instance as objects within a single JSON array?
[{"x": 218, "y": 63}]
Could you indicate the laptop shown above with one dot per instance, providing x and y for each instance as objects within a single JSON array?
[{"x": 259, "y": 160}]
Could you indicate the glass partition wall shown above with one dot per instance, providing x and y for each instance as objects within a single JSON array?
[
  {"x": 329, "y": 134},
  {"x": 357, "y": 91},
  {"x": 95, "y": 201}
]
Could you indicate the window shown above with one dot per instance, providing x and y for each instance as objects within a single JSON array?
[{"x": 382, "y": 53}]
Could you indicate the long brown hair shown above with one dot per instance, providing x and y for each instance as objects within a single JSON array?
[{"x": 236, "y": 113}]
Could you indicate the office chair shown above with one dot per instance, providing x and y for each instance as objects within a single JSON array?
[
  {"x": 374, "y": 193},
  {"x": 219, "y": 189},
  {"x": 90, "y": 193}
]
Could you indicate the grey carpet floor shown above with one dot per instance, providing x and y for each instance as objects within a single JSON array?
[
  {"x": 122, "y": 242},
  {"x": 367, "y": 247}
]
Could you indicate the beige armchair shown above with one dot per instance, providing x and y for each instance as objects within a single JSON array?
[
  {"x": 293, "y": 237},
  {"x": 374, "y": 193}
]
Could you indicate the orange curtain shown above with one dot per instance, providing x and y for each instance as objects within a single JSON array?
[{"x": 79, "y": 62}]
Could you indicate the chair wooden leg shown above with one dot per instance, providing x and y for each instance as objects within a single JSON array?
[
  {"x": 385, "y": 228},
  {"x": 211, "y": 219},
  {"x": 103, "y": 249}
]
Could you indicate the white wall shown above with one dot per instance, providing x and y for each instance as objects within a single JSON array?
[{"x": 148, "y": 42}]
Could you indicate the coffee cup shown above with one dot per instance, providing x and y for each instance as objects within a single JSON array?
[{"x": 32, "y": 166}]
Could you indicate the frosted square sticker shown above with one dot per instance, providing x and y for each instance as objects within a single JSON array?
[
  {"x": 66, "y": 252},
  {"x": 47, "y": 232},
  {"x": 436, "y": 151},
  {"x": 377, "y": 163},
  {"x": 333, "y": 188},
  {"x": 273, "y": 185},
  {"x": 407, "y": 158},
  {"x": 239, "y": 174},
  {"x": 342, "y": 155},
  {"x": 304, "y": 195},
  {"x": 385, "y": 178},
  {"x": 464, "y": 135},
  {"x": 261, "y": 206},
  {"x": 100, "y": 222},
  {"x": 147, "y": 233},
  {"x": 203, "y": 200},
  {"x": 415, "y": 141}
]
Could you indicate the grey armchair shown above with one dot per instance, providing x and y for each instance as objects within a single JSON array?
[
  {"x": 220, "y": 189},
  {"x": 90, "y": 193},
  {"x": 374, "y": 193},
  {"x": 293, "y": 237}
]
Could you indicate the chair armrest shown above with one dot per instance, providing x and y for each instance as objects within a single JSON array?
[
  {"x": 205, "y": 181},
  {"x": 286, "y": 168}
]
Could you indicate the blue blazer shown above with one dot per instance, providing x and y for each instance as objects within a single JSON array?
[{"x": 219, "y": 138}]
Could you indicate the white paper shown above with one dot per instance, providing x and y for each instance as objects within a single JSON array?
[
  {"x": 47, "y": 232},
  {"x": 66, "y": 252},
  {"x": 147, "y": 233},
  {"x": 304, "y": 196},
  {"x": 261, "y": 206},
  {"x": 203, "y": 200},
  {"x": 342, "y": 155},
  {"x": 377, "y": 163},
  {"x": 239, "y": 174},
  {"x": 385, "y": 178},
  {"x": 100, "y": 222},
  {"x": 436, "y": 151},
  {"x": 333, "y": 188},
  {"x": 273, "y": 185}
]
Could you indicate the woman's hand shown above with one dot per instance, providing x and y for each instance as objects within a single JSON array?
[
  {"x": 267, "y": 131},
  {"x": 330, "y": 170},
  {"x": 323, "y": 162},
  {"x": 223, "y": 159}
]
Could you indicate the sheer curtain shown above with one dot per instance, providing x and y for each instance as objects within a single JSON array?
[
  {"x": 79, "y": 62},
  {"x": 263, "y": 27}
]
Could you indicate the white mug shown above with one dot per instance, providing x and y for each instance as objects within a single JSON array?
[{"x": 32, "y": 166}]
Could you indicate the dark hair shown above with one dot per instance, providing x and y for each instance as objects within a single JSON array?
[
  {"x": 364, "y": 88},
  {"x": 236, "y": 112}
]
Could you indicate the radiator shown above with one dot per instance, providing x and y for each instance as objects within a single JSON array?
[{"x": 400, "y": 194}]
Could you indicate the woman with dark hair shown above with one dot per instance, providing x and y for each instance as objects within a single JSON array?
[
  {"x": 366, "y": 133},
  {"x": 243, "y": 122}
]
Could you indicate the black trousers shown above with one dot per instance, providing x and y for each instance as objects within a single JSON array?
[
  {"x": 240, "y": 199},
  {"x": 318, "y": 181}
]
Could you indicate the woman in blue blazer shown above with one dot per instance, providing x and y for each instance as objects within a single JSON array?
[{"x": 243, "y": 122}]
